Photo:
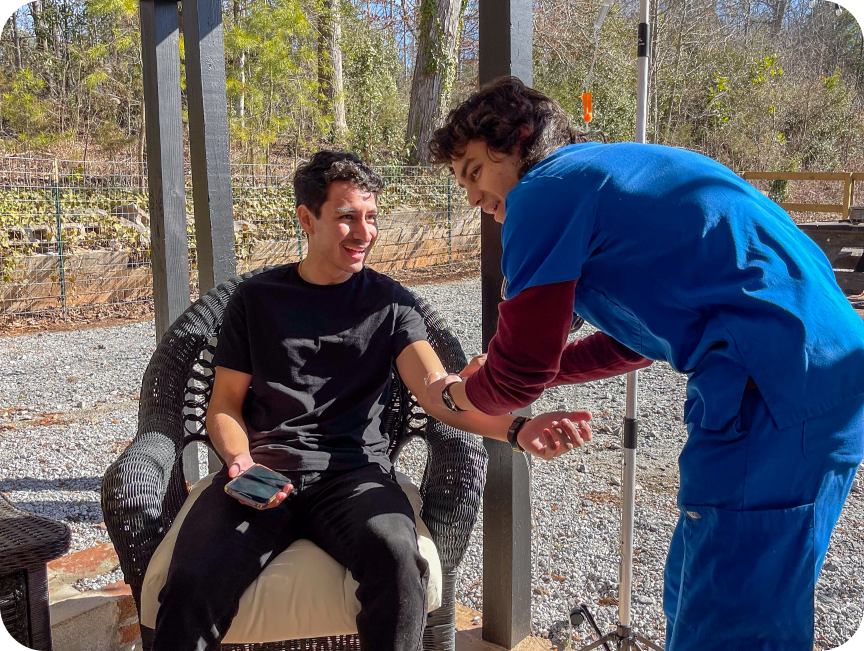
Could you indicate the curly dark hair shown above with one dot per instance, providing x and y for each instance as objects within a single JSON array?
[
  {"x": 506, "y": 114},
  {"x": 312, "y": 180}
]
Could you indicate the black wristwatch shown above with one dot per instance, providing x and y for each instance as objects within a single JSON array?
[
  {"x": 448, "y": 399},
  {"x": 513, "y": 432}
]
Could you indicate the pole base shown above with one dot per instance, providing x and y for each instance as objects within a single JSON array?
[{"x": 623, "y": 638}]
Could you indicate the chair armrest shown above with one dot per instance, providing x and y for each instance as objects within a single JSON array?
[
  {"x": 142, "y": 491},
  {"x": 452, "y": 488}
]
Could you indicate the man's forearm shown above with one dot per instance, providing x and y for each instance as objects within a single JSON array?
[
  {"x": 493, "y": 427},
  {"x": 227, "y": 432}
]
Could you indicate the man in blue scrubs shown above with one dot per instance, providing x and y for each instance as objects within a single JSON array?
[{"x": 673, "y": 256}]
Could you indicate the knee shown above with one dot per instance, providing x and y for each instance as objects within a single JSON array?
[
  {"x": 192, "y": 580},
  {"x": 389, "y": 545}
]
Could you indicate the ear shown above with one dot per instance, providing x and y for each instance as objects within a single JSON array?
[{"x": 306, "y": 219}]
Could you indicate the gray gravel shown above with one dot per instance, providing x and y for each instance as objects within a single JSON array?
[{"x": 72, "y": 401}]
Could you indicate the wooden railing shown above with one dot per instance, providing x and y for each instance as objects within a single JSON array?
[{"x": 847, "y": 178}]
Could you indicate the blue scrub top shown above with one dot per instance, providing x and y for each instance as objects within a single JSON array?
[{"x": 681, "y": 260}]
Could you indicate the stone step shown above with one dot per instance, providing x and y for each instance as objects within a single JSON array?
[{"x": 94, "y": 620}]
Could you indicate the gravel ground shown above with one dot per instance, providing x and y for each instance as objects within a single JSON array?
[{"x": 68, "y": 407}]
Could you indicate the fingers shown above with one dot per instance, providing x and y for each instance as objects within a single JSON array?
[
  {"x": 563, "y": 435},
  {"x": 281, "y": 496},
  {"x": 473, "y": 366},
  {"x": 585, "y": 430},
  {"x": 570, "y": 433},
  {"x": 239, "y": 464},
  {"x": 551, "y": 444}
]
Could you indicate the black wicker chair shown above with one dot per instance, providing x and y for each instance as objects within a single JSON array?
[
  {"x": 27, "y": 543},
  {"x": 144, "y": 489}
]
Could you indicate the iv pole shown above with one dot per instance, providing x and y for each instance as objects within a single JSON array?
[{"x": 623, "y": 637}]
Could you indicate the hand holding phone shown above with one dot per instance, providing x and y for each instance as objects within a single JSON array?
[{"x": 258, "y": 486}]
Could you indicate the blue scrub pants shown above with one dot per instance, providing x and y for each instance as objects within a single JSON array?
[{"x": 758, "y": 505}]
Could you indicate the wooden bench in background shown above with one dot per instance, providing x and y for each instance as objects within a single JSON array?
[{"x": 834, "y": 237}]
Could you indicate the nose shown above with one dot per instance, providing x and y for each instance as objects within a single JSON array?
[
  {"x": 474, "y": 196},
  {"x": 366, "y": 230}
]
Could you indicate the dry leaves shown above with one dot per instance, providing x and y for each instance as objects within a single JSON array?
[{"x": 46, "y": 420}]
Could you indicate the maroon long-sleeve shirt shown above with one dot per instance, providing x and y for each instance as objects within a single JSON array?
[{"x": 530, "y": 351}]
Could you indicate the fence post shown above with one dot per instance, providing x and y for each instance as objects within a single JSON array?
[
  {"x": 449, "y": 225},
  {"x": 59, "y": 235},
  {"x": 847, "y": 196}
]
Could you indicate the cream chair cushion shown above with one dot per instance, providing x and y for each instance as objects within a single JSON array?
[{"x": 302, "y": 593}]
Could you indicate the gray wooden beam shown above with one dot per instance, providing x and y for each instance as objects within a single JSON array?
[
  {"x": 160, "y": 59},
  {"x": 505, "y": 49},
  {"x": 208, "y": 141}
]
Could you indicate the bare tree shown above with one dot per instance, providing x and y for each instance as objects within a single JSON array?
[
  {"x": 16, "y": 41},
  {"x": 330, "y": 89},
  {"x": 241, "y": 65},
  {"x": 434, "y": 72}
]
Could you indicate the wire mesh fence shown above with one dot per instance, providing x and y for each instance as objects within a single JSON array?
[{"x": 76, "y": 235}]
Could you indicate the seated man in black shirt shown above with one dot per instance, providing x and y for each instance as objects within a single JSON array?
[{"x": 302, "y": 376}]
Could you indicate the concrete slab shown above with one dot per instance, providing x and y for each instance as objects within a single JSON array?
[{"x": 469, "y": 634}]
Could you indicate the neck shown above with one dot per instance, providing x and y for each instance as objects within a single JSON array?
[{"x": 316, "y": 271}]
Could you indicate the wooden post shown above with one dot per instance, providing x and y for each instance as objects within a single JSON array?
[
  {"x": 160, "y": 59},
  {"x": 847, "y": 196},
  {"x": 208, "y": 142},
  {"x": 505, "y": 49},
  {"x": 160, "y": 62}
]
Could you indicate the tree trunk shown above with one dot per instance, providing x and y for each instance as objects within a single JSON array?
[
  {"x": 683, "y": 10},
  {"x": 36, "y": 16},
  {"x": 434, "y": 71},
  {"x": 779, "y": 14},
  {"x": 241, "y": 100},
  {"x": 331, "y": 98},
  {"x": 16, "y": 41}
]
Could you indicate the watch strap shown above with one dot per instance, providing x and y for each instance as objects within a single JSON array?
[
  {"x": 513, "y": 433},
  {"x": 449, "y": 402}
]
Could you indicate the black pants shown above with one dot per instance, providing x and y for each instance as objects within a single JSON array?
[{"x": 360, "y": 517}]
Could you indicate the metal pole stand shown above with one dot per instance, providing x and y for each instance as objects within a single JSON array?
[{"x": 623, "y": 637}]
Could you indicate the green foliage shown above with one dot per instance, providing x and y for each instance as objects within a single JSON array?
[
  {"x": 376, "y": 109},
  {"x": 21, "y": 107},
  {"x": 276, "y": 42},
  {"x": 723, "y": 81}
]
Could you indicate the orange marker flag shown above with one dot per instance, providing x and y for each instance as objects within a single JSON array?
[{"x": 586, "y": 106}]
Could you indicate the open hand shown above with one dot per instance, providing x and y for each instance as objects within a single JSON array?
[
  {"x": 241, "y": 463},
  {"x": 554, "y": 433}
]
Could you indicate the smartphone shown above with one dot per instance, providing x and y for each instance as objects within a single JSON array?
[{"x": 258, "y": 486}]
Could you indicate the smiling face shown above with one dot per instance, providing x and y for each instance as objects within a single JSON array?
[
  {"x": 341, "y": 236},
  {"x": 487, "y": 176}
]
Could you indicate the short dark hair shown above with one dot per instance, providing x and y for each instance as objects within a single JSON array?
[
  {"x": 500, "y": 114},
  {"x": 312, "y": 180}
]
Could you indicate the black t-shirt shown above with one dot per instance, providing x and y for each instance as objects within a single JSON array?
[{"x": 320, "y": 359}]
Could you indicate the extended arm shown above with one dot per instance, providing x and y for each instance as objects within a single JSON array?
[
  {"x": 530, "y": 353},
  {"x": 547, "y": 435}
]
